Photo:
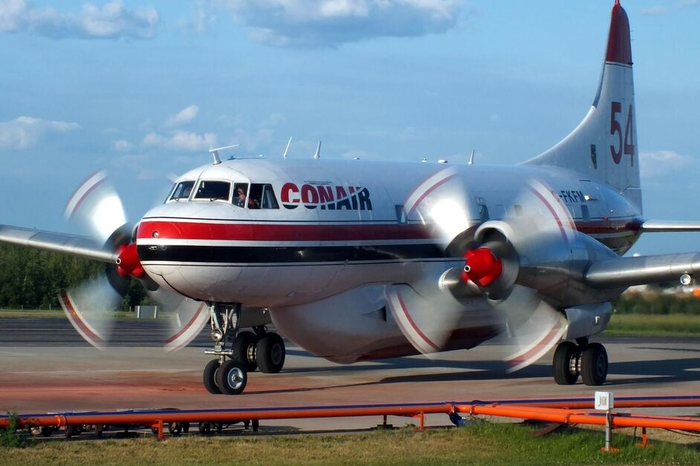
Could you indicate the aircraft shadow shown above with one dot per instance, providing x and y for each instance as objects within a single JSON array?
[{"x": 620, "y": 374}]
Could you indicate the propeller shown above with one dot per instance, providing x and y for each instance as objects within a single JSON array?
[
  {"x": 426, "y": 312},
  {"x": 90, "y": 306},
  {"x": 515, "y": 263}
]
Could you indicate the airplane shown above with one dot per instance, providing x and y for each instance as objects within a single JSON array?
[{"x": 359, "y": 260}]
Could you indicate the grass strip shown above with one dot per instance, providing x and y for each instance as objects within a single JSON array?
[
  {"x": 678, "y": 325},
  {"x": 479, "y": 443}
]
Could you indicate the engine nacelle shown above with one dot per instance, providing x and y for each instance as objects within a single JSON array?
[{"x": 553, "y": 263}]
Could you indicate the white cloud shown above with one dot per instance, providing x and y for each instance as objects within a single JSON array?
[
  {"x": 26, "y": 131},
  {"x": 662, "y": 162},
  {"x": 184, "y": 116},
  {"x": 200, "y": 20},
  {"x": 313, "y": 23},
  {"x": 122, "y": 145},
  {"x": 688, "y": 3},
  {"x": 112, "y": 21},
  {"x": 656, "y": 10},
  {"x": 184, "y": 141}
]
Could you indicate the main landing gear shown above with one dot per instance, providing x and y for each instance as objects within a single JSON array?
[
  {"x": 228, "y": 373},
  {"x": 590, "y": 360}
]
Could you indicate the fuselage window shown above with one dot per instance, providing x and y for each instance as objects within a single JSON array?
[
  {"x": 262, "y": 196},
  {"x": 400, "y": 214},
  {"x": 213, "y": 190},
  {"x": 182, "y": 191},
  {"x": 483, "y": 213},
  {"x": 585, "y": 213}
]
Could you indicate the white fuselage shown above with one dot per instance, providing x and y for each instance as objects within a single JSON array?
[
  {"x": 356, "y": 232},
  {"x": 343, "y": 229}
]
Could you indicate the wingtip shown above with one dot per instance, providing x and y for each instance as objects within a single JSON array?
[{"x": 619, "y": 45}]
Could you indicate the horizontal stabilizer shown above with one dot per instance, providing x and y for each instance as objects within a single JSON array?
[
  {"x": 56, "y": 242},
  {"x": 661, "y": 226}
]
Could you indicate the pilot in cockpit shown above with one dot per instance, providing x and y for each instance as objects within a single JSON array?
[{"x": 240, "y": 199}]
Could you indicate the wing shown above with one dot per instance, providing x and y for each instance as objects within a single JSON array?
[
  {"x": 631, "y": 271},
  {"x": 74, "y": 245}
]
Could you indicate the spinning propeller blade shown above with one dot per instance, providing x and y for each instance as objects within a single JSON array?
[
  {"x": 501, "y": 261},
  {"x": 90, "y": 306}
]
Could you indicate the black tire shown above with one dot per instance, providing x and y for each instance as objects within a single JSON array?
[
  {"x": 209, "y": 377},
  {"x": 231, "y": 378},
  {"x": 271, "y": 353},
  {"x": 244, "y": 350},
  {"x": 205, "y": 428},
  {"x": 72, "y": 430},
  {"x": 594, "y": 364},
  {"x": 565, "y": 357},
  {"x": 175, "y": 428}
]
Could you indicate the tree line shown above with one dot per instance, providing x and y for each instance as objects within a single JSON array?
[
  {"x": 657, "y": 303},
  {"x": 33, "y": 279}
]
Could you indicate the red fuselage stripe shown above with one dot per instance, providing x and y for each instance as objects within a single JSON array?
[
  {"x": 278, "y": 232},
  {"x": 321, "y": 232}
]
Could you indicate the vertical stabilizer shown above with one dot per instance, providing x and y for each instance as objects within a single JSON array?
[{"x": 604, "y": 145}]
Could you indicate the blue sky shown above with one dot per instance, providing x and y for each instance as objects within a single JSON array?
[{"x": 144, "y": 89}]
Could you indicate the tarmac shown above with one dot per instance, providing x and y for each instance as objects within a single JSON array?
[{"x": 46, "y": 367}]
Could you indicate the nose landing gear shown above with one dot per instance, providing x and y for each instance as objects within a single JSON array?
[{"x": 228, "y": 373}]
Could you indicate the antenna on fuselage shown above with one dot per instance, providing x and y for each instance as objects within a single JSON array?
[
  {"x": 215, "y": 152},
  {"x": 317, "y": 155},
  {"x": 471, "y": 157},
  {"x": 289, "y": 143}
]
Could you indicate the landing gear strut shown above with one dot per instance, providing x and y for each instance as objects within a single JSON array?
[
  {"x": 248, "y": 351},
  {"x": 590, "y": 360}
]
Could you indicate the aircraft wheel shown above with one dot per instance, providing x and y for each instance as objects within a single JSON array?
[
  {"x": 231, "y": 378},
  {"x": 594, "y": 364},
  {"x": 177, "y": 428},
  {"x": 205, "y": 428},
  {"x": 209, "y": 377},
  {"x": 244, "y": 350},
  {"x": 565, "y": 364},
  {"x": 271, "y": 353}
]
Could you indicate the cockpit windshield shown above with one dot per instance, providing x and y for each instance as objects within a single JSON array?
[
  {"x": 182, "y": 191},
  {"x": 213, "y": 190}
]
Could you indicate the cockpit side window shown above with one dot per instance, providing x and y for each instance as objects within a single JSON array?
[
  {"x": 182, "y": 191},
  {"x": 213, "y": 190},
  {"x": 269, "y": 201},
  {"x": 262, "y": 196}
]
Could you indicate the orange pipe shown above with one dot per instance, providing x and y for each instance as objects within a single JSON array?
[
  {"x": 574, "y": 417},
  {"x": 148, "y": 418},
  {"x": 544, "y": 410}
]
